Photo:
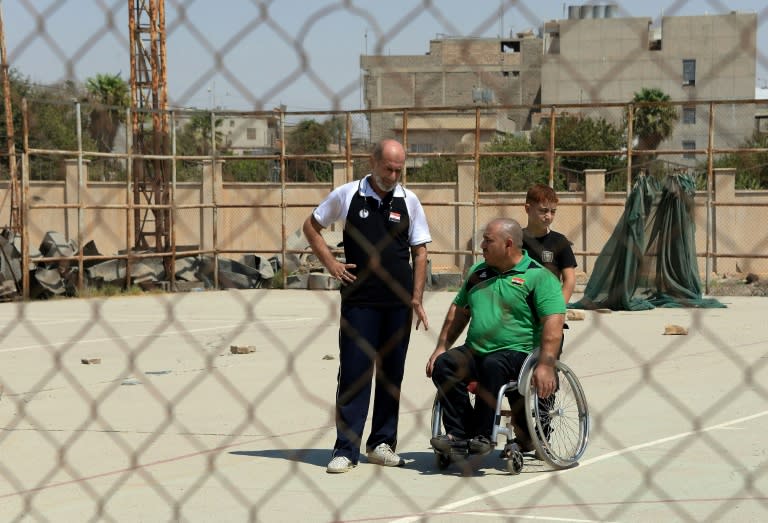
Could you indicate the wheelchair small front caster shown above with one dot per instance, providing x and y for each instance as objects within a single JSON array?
[
  {"x": 514, "y": 458},
  {"x": 515, "y": 462}
]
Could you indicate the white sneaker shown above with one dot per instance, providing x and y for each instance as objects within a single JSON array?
[
  {"x": 339, "y": 465},
  {"x": 384, "y": 455}
]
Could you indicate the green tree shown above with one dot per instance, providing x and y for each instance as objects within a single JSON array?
[
  {"x": 194, "y": 138},
  {"x": 110, "y": 97},
  {"x": 653, "y": 121},
  {"x": 751, "y": 168},
  {"x": 573, "y": 133},
  {"x": 435, "y": 170},
  {"x": 308, "y": 137},
  {"x": 52, "y": 122},
  {"x": 250, "y": 170},
  {"x": 511, "y": 173}
]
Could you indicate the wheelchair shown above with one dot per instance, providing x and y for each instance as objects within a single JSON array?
[{"x": 558, "y": 426}]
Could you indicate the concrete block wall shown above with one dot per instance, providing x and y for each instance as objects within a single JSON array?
[{"x": 587, "y": 218}]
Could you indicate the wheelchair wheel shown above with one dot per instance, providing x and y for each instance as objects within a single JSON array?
[{"x": 558, "y": 425}]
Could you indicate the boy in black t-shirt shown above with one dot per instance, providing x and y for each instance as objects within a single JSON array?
[
  {"x": 550, "y": 248},
  {"x": 553, "y": 251}
]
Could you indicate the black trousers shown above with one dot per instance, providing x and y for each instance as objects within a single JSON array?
[
  {"x": 454, "y": 369},
  {"x": 373, "y": 342}
]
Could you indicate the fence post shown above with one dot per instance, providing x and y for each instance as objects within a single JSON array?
[
  {"x": 211, "y": 187},
  {"x": 465, "y": 233},
  {"x": 339, "y": 172},
  {"x": 725, "y": 220},
  {"x": 594, "y": 196},
  {"x": 72, "y": 195}
]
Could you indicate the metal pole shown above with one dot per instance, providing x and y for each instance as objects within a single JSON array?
[
  {"x": 25, "y": 262},
  {"x": 131, "y": 215},
  {"x": 80, "y": 193},
  {"x": 710, "y": 187},
  {"x": 11, "y": 144},
  {"x": 172, "y": 201},
  {"x": 552, "y": 146},
  {"x": 630, "y": 139}
]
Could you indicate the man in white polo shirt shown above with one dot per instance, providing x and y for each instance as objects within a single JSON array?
[{"x": 385, "y": 229}]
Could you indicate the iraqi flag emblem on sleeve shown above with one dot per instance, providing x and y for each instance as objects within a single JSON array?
[
  {"x": 517, "y": 281},
  {"x": 394, "y": 216}
]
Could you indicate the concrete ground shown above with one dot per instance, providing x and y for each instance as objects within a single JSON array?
[{"x": 170, "y": 426}]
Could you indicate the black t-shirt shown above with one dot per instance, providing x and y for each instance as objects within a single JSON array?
[{"x": 553, "y": 251}]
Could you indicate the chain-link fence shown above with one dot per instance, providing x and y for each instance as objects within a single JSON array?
[{"x": 220, "y": 406}]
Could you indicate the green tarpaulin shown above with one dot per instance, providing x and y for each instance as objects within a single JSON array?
[{"x": 650, "y": 258}]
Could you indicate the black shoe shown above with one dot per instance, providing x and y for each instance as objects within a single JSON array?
[
  {"x": 447, "y": 445},
  {"x": 480, "y": 445}
]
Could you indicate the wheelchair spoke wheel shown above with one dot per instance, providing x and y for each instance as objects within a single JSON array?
[{"x": 559, "y": 424}]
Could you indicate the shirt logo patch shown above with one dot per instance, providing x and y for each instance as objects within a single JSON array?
[
  {"x": 363, "y": 213},
  {"x": 547, "y": 256},
  {"x": 394, "y": 216},
  {"x": 517, "y": 281}
]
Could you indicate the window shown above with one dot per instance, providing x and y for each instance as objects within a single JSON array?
[
  {"x": 689, "y": 72},
  {"x": 421, "y": 147},
  {"x": 689, "y": 145},
  {"x": 250, "y": 133},
  {"x": 482, "y": 95},
  {"x": 689, "y": 115}
]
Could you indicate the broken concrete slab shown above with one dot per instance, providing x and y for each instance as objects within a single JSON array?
[
  {"x": 242, "y": 349},
  {"x": 186, "y": 268},
  {"x": 675, "y": 330},
  {"x": 322, "y": 281},
  {"x": 10, "y": 257},
  {"x": 108, "y": 271},
  {"x": 261, "y": 263},
  {"x": 297, "y": 281},
  {"x": 56, "y": 244},
  {"x": 147, "y": 269},
  {"x": 50, "y": 280}
]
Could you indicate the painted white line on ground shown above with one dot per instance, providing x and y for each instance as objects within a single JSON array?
[
  {"x": 597, "y": 459},
  {"x": 152, "y": 334},
  {"x": 523, "y": 516}
]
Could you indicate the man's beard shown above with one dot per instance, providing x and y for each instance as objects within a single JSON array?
[{"x": 381, "y": 184}]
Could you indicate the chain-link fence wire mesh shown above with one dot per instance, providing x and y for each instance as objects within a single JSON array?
[{"x": 476, "y": 139}]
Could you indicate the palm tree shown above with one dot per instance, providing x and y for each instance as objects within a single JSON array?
[
  {"x": 198, "y": 132},
  {"x": 110, "y": 95},
  {"x": 653, "y": 120}
]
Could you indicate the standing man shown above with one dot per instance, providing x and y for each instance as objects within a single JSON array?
[
  {"x": 550, "y": 248},
  {"x": 384, "y": 229}
]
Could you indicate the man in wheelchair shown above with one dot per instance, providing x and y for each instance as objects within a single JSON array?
[{"x": 512, "y": 306}]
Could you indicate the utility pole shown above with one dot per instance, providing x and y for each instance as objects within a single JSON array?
[
  {"x": 15, "y": 217},
  {"x": 149, "y": 102}
]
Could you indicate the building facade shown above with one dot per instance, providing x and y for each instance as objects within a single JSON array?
[
  {"x": 591, "y": 57},
  {"x": 690, "y": 58},
  {"x": 484, "y": 72}
]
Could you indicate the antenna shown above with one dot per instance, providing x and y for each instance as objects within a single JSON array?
[{"x": 501, "y": 18}]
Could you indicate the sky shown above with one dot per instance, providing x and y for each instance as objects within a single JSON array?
[{"x": 304, "y": 54}]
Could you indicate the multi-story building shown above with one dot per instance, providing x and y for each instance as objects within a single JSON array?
[
  {"x": 485, "y": 72},
  {"x": 691, "y": 58},
  {"x": 590, "y": 57}
]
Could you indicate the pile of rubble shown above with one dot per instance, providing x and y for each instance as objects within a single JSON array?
[
  {"x": 60, "y": 277},
  {"x": 191, "y": 272}
]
